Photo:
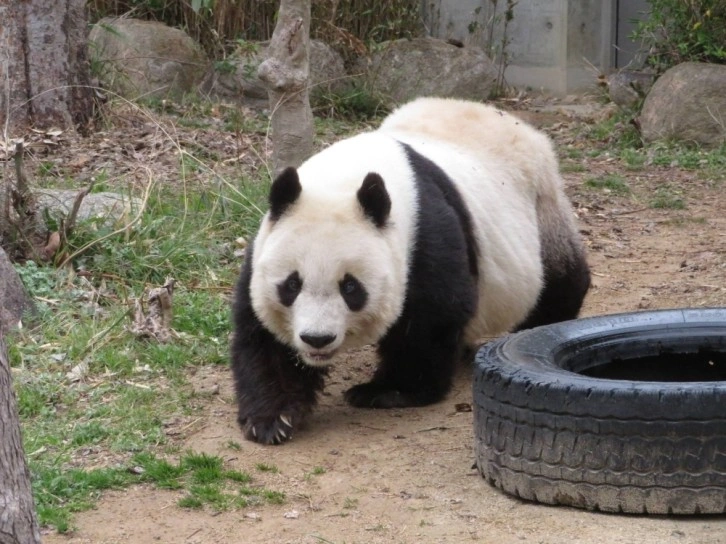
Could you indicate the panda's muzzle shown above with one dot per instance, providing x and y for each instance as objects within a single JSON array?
[{"x": 318, "y": 341}]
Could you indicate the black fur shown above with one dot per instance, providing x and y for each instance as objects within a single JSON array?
[
  {"x": 420, "y": 351},
  {"x": 353, "y": 293},
  {"x": 565, "y": 286},
  {"x": 374, "y": 199},
  {"x": 289, "y": 289},
  {"x": 566, "y": 277},
  {"x": 284, "y": 192},
  {"x": 275, "y": 391}
]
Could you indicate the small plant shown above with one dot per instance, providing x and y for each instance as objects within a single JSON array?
[
  {"x": 667, "y": 197},
  {"x": 634, "y": 159},
  {"x": 572, "y": 167},
  {"x": 678, "y": 31},
  {"x": 350, "y": 503},
  {"x": 612, "y": 183},
  {"x": 205, "y": 481},
  {"x": 264, "y": 467},
  {"x": 356, "y": 102},
  {"x": 316, "y": 471},
  {"x": 234, "y": 445}
]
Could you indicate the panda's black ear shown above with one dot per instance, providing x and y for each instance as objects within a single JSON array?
[
  {"x": 284, "y": 192},
  {"x": 374, "y": 199}
]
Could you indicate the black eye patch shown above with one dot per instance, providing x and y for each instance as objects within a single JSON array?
[
  {"x": 353, "y": 293},
  {"x": 289, "y": 289}
]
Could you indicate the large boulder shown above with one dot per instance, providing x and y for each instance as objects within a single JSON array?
[
  {"x": 14, "y": 301},
  {"x": 688, "y": 103},
  {"x": 146, "y": 58},
  {"x": 236, "y": 79},
  {"x": 404, "y": 69}
]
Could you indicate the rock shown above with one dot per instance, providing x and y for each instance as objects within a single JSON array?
[
  {"x": 14, "y": 301},
  {"x": 236, "y": 77},
  {"x": 146, "y": 58},
  {"x": 109, "y": 208},
  {"x": 627, "y": 88},
  {"x": 688, "y": 103},
  {"x": 404, "y": 69}
]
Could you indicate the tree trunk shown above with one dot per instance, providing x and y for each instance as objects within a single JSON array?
[
  {"x": 286, "y": 74},
  {"x": 44, "y": 69},
  {"x": 18, "y": 522}
]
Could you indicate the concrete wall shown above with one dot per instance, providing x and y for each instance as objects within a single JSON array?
[{"x": 556, "y": 45}]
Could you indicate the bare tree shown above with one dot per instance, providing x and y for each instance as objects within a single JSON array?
[
  {"x": 44, "y": 69},
  {"x": 18, "y": 522},
  {"x": 286, "y": 74}
]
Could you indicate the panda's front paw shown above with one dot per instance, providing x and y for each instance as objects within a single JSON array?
[
  {"x": 269, "y": 430},
  {"x": 374, "y": 395}
]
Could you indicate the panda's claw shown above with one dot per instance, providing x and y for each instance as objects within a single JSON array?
[{"x": 269, "y": 430}]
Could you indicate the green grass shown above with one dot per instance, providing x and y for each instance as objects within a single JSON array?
[
  {"x": 611, "y": 183},
  {"x": 59, "y": 493},
  {"x": 618, "y": 137},
  {"x": 125, "y": 388},
  {"x": 667, "y": 197},
  {"x": 201, "y": 478}
]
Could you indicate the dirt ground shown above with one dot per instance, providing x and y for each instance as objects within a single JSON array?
[{"x": 407, "y": 476}]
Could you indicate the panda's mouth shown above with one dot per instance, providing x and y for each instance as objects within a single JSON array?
[{"x": 319, "y": 358}]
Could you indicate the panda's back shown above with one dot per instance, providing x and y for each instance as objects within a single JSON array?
[{"x": 499, "y": 165}]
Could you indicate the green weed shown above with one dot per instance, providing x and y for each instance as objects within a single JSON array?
[
  {"x": 571, "y": 167},
  {"x": 667, "y": 197},
  {"x": 612, "y": 183},
  {"x": 85, "y": 384}
]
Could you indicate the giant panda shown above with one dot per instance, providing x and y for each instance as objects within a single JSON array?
[{"x": 446, "y": 225}]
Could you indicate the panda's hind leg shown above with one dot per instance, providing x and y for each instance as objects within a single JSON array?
[{"x": 566, "y": 272}]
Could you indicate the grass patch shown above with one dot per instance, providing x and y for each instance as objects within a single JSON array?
[
  {"x": 89, "y": 390},
  {"x": 619, "y": 137},
  {"x": 683, "y": 221},
  {"x": 667, "y": 197},
  {"x": 710, "y": 162},
  {"x": 571, "y": 167},
  {"x": 616, "y": 132},
  {"x": 611, "y": 183},
  {"x": 59, "y": 493},
  {"x": 634, "y": 159}
]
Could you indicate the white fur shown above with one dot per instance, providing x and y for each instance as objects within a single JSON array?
[{"x": 500, "y": 166}]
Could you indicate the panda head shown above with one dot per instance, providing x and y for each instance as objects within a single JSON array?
[{"x": 325, "y": 275}]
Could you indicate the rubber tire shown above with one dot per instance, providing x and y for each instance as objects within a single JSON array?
[{"x": 545, "y": 433}]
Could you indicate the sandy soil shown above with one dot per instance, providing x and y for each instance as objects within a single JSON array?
[{"x": 406, "y": 476}]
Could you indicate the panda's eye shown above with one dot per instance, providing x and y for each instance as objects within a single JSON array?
[
  {"x": 349, "y": 287},
  {"x": 289, "y": 289},
  {"x": 353, "y": 293},
  {"x": 293, "y": 284}
]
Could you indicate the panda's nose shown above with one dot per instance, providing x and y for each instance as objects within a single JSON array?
[{"x": 317, "y": 340}]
